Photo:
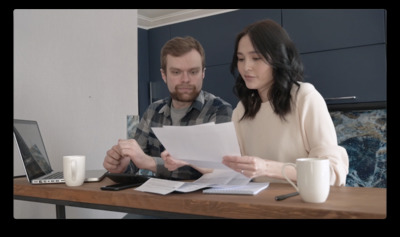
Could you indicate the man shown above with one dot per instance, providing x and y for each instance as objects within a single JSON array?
[{"x": 183, "y": 70}]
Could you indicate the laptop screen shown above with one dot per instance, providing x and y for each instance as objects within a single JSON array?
[{"x": 31, "y": 148}]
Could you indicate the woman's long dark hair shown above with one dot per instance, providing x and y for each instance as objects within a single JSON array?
[{"x": 273, "y": 43}]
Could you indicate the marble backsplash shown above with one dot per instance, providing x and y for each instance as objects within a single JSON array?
[{"x": 362, "y": 133}]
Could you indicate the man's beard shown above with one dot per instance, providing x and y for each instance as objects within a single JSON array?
[{"x": 186, "y": 96}]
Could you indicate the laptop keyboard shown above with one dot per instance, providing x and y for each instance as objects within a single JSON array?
[{"x": 58, "y": 175}]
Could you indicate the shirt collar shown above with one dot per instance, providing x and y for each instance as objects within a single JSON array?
[{"x": 198, "y": 104}]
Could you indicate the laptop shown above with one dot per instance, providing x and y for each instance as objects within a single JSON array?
[{"x": 34, "y": 157}]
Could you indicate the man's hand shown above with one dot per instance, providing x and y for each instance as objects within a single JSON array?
[
  {"x": 130, "y": 148},
  {"x": 171, "y": 163},
  {"x": 114, "y": 162},
  {"x": 118, "y": 157}
]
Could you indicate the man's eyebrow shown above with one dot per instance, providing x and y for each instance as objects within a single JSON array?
[
  {"x": 174, "y": 68},
  {"x": 190, "y": 69}
]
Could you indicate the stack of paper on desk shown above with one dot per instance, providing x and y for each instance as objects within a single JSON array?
[
  {"x": 217, "y": 178},
  {"x": 163, "y": 186}
]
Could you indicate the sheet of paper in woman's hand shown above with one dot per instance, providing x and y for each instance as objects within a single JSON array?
[{"x": 200, "y": 145}]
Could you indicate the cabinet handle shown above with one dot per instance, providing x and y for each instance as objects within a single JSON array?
[{"x": 342, "y": 98}]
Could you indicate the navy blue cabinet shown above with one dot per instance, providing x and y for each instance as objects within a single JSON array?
[
  {"x": 327, "y": 29},
  {"x": 157, "y": 38},
  {"x": 358, "y": 72},
  {"x": 220, "y": 82},
  {"x": 343, "y": 50}
]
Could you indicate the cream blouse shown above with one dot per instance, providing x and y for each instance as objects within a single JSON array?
[{"x": 307, "y": 132}]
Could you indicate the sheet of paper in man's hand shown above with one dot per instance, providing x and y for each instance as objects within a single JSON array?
[{"x": 200, "y": 145}]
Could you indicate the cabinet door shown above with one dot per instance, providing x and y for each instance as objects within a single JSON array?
[
  {"x": 219, "y": 81},
  {"x": 157, "y": 38},
  {"x": 359, "y": 72},
  {"x": 326, "y": 29}
]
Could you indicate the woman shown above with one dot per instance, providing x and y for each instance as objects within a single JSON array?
[{"x": 278, "y": 118}]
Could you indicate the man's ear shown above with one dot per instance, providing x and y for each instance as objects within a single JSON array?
[
  {"x": 163, "y": 75},
  {"x": 204, "y": 72}
]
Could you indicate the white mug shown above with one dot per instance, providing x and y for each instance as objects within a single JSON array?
[
  {"x": 74, "y": 170},
  {"x": 312, "y": 178}
]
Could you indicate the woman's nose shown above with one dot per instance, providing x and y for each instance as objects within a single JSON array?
[{"x": 248, "y": 65}]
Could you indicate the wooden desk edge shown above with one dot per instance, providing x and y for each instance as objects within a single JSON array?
[{"x": 199, "y": 206}]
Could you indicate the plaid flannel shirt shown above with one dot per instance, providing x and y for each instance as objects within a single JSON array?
[{"x": 206, "y": 108}]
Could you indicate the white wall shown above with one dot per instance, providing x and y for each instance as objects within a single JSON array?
[{"x": 75, "y": 72}]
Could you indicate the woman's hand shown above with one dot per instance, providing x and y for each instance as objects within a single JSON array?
[
  {"x": 253, "y": 167},
  {"x": 249, "y": 166}
]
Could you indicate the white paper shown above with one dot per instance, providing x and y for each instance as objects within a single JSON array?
[
  {"x": 200, "y": 145},
  {"x": 223, "y": 177},
  {"x": 191, "y": 187},
  {"x": 248, "y": 189},
  {"x": 220, "y": 178},
  {"x": 160, "y": 186}
]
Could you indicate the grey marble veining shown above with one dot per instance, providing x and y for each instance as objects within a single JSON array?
[{"x": 363, "y": 134}]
